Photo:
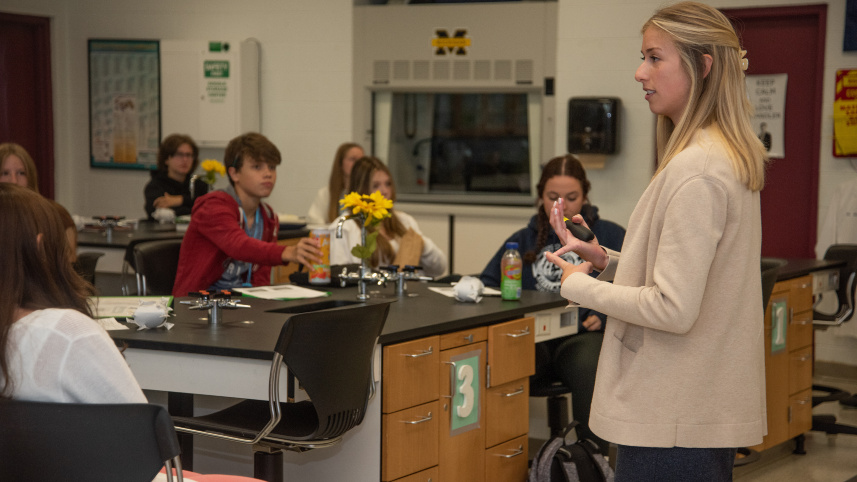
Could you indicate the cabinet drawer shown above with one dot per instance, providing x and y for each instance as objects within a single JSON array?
[
  {"x": 429, "y": 475},
  {"x": 800, "y": 329},
  {"x": 507, "y": 462},
  {"x": 507, "y": 411},
  {"x": 800, "y": 370},
  {"x": 410, "y": 375},
  {"x": 464, "y": 337},
  {"x": 800, "y": 294},
  {"x": 800, "y": 413},
  {"x": 511, "y": 351},
  {"x": 409, "y": 441}
]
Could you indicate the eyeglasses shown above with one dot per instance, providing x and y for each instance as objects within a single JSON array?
[{"x": 188, "y": 155}]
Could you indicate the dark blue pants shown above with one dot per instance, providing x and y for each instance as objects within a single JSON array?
[{"x": 646, "y": 464}]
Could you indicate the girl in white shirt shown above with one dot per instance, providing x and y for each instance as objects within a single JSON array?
[
  {"x": 50, "y": 347},
  {"x": 368, "y": 175},
  {"x": 325, "y": 207}
]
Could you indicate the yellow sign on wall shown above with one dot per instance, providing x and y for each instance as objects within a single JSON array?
[
  {"x": 845, "y": 114},
  {"x": 444, "y": 44}
]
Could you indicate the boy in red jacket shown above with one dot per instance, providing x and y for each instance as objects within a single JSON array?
[{"x": 232, "y": 237}]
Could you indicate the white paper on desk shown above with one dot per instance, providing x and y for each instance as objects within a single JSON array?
[
  {"x": 449, "y": 291},
  {"x": 119, "y": 306},
  {"x": 111, "y": 324},
  {"x": 282, "y": 292}
]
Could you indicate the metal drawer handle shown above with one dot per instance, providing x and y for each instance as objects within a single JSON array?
[
  {"x": 804, "y": 401},
  {"x": 422, "y": 353},
  {"x": 800, "y": 322},
  {"x": 515, "y": 453},
  {"x": 414, "y": 422},
  {"x": 519, "y": 333},
  {"x": 469, "y": 338},
  {"x": 803, "y": 358},
  {"x": 519, "y": 391}
]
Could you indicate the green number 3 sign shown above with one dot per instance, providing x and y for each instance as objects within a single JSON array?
[{"x": 465, "y": 399}]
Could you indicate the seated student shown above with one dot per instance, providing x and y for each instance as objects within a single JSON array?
[
  {"x": 170, "y": 187},
  {"x": 232, "y": 237},
  {"x": 573, "y": 359},
  {"x": 326, "y": 208},
  {"x": 51, "y": 349},
  {"x": 17, "y": 167},
  {"x": 400, "y": 240}
]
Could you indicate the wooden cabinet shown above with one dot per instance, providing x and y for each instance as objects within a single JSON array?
[
  {"x": 788, "y": 361},
  {"x": 479, "y": 435}
]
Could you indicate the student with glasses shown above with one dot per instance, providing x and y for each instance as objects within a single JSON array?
[{"x": 170, "y": 186}]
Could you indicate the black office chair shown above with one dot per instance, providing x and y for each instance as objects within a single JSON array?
[
  {"x": 156, "y": 263},
  {"x": 330, "y": 353},
  {"x": 770, "y": 269},
  {"x": 70, "y": 441},
  {"x": 86, "y": 263},
  {"x": 845, "y": 297}
]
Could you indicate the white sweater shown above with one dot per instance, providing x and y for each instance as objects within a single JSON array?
[
  {"x": 432, "y": 259},
  {"x": 682, "y": 362},
  {"x": 60, "y": 355}
]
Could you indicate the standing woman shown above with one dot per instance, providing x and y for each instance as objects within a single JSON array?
[
  {"x": 681, "y": 375},
  {"x": 325, "y": 208},
  {"x": 170, "y": 187}
]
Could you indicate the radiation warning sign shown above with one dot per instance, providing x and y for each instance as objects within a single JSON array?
[{"x": 443, "y": 44}]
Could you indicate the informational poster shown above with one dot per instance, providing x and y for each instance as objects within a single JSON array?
[
  {"x": 466, "y": 397},
  {"x": 124, "y": 103},
  {"x": 845, "y": 114},
  {"x": 768, "y": 95}
]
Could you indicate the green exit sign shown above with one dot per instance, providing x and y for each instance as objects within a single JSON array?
[{"x": 216, "y": 69}]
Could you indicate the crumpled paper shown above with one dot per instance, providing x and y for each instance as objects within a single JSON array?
[
  {"x": 152, "y": 314},
  {"x": 469, "y": 289},
  {"x": 164, "y": 215}
]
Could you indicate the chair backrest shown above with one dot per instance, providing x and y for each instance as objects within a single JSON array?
[
  {"x": 156, "y": 263},
  {"x": 770, "y": 268},
  {"x": 71, "y": 441},
  {"x": 847, "y": 283},
  {"x": 330, "y": 353},
  {"x": 86, "y": 263}
]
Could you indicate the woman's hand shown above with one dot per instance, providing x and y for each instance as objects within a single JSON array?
[
  {"x": 566, "y": 267},
  {"x": 168, "y": 201},
  {"x": 592, "y": 323},
  {"x": 589, "y": 251},
  {"x": 307, "y": 252}
]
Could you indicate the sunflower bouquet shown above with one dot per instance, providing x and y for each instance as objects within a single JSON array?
[{"x": 368, "y": 210}]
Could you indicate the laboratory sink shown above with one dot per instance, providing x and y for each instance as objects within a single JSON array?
[{"x": 316, "y": 306}]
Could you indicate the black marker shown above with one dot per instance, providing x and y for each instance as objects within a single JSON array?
[{"x": 579, "y": 231}]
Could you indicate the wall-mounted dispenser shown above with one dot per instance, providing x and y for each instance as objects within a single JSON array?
[{"x": 593, "y": 125}]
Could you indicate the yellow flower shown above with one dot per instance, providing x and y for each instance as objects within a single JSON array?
[
  {"x": 371, "y": 209},
  {"x": 212, "y": 167}
]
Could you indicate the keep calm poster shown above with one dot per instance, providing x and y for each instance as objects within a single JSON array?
[{"x": 767, "y": 93}]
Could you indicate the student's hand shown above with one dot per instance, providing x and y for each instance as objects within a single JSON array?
[
  {"x": 566, "y": 267},
  {"x": 305, "y": 252},
  {"x": 168, "y": 201},
  {"x": 592, "y": 323},
  {"x": 589, "y": 251}
]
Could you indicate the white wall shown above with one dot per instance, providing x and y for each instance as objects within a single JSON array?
[{"x": 306, "y": 85}]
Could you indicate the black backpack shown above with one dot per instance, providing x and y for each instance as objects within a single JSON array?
[{"x": 558, "y": 461}]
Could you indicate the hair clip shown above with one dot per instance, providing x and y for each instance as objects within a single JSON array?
[{"x": 744, "y": 62}]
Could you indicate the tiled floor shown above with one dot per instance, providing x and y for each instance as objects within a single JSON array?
[{"x": 827, "y": 459}]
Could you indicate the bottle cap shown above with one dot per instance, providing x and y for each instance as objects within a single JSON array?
[{"x": 511, "y": 245}]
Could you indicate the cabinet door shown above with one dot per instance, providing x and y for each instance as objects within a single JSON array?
[
  {"x": 461, "y": 448},
  {"x": 429, "y": 475},
  {"x": 410, "y": 375},
  {"x": 800, "y": 413},
  {"x": 512, "y": 351},
  {"x": 409, "y": 441},
  {"x": 507, "y": 462},
  {"x": 507, "y": 412},
  {"x": 800, "y": 369}
]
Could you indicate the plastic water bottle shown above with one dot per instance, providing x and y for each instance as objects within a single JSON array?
[{"x": 510, "y": 273}]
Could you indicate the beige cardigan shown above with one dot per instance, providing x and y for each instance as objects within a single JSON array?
[{"x": 682, "y": 363}]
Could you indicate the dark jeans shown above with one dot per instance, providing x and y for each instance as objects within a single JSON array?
[{"x": 644, "y": 464}]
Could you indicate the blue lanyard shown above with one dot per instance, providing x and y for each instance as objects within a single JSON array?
[{"x": 255, "y": 232}]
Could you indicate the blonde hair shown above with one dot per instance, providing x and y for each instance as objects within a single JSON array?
[
  {"x": 9, "y": 148},
  {"x": 361, "y": 182},
  {"x": 717, "y": 100}
]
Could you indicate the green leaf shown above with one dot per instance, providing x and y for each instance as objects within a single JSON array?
[{"x": 365, "y": 252}]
